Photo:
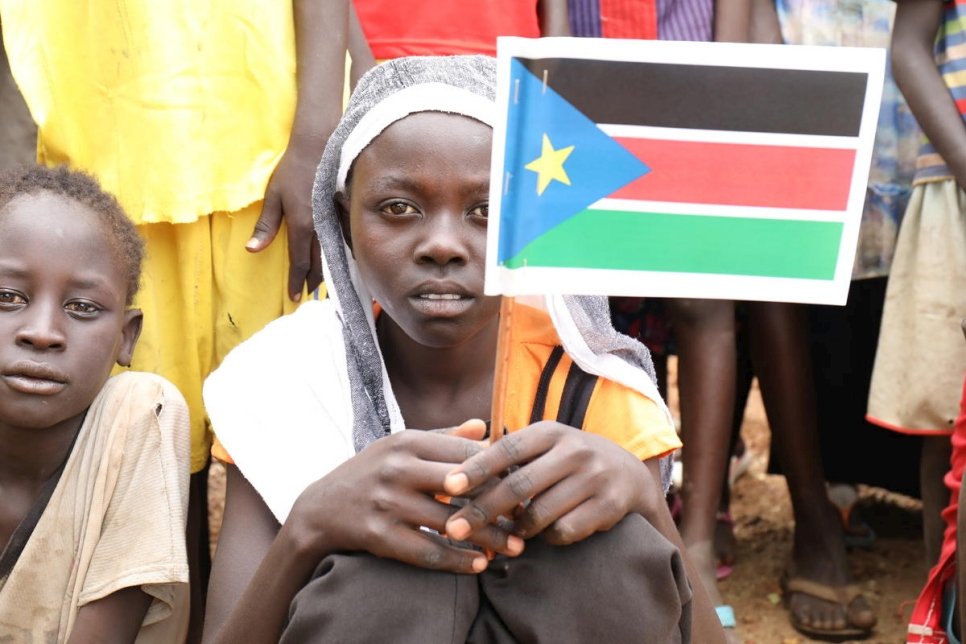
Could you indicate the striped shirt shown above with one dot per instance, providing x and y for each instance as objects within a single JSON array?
[
  {"x": 951, "y": 61},
  {"x": 646, "y": 19}
]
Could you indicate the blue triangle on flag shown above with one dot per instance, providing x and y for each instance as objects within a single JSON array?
[{"x": 595, "y": 167}]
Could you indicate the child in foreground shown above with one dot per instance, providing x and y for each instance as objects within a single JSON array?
[
  {"x": 93, "y": 471},
  {"x": 335, "y": 520}
]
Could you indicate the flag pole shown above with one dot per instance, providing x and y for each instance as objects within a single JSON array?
[{"x": 501, "y": 371}]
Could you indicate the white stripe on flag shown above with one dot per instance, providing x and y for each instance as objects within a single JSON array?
[
  {"x": 747, "y": 212},
  {"x": 721, "y": 136}
]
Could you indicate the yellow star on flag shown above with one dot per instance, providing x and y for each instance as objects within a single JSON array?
[{"x": 549, "y": 165}]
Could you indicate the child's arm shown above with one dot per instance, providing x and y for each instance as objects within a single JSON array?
[
  {"x": 320, "y": 39},
  {"x": 374, "y": 502},
  {"x": 359, "y": 51},
  {"x": 763, "y": 23},
  {"x": 554, "y": 19},
  {"x": 731, "y": 20},
  {"x": 116, "y": 618},
  {"x": 574, "y": 483},
  {"x": 915, "y": 71}
]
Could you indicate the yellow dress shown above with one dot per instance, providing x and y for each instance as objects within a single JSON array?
[{"x": 182, "y": 109}]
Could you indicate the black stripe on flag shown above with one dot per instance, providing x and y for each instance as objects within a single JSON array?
[{"x": 708, "y": 97}]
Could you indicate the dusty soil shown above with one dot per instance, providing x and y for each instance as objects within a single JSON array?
[{"x": 890, "y": 574}]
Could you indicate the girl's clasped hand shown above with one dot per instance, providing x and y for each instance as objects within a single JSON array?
[{"x": 405, "y": 491}]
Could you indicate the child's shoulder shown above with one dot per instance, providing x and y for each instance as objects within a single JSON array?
[
  {"x": 532, "y": 325},
  {"x": 140, "y": 389},
  {"x": 140, "y": 407}
]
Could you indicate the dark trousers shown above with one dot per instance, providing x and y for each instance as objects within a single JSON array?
[{"x": 624, "y": 585}]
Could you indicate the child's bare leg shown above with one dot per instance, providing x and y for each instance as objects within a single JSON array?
[
  {"x": 705, "y": 335},
  {"x": 779, "y": 349},
  {"x": 933, "y": 465}
]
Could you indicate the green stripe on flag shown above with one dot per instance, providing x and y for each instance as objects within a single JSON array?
[{"x": 644, "y": 241}]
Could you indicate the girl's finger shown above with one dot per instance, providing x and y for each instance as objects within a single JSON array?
[
  {"x": 594, "y": 515},
  {"x": 551, "y": 506},
  {"x": 427, "y": 550},
  {"x": 519, "y": 487},
  {"x": 473, "y": 429},
  {"x": 514, "y": 449},
  {"x": 425, "y": 512},
  {"x": 438, "y": 447}
]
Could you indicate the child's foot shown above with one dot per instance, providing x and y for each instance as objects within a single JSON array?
[
  {"x": 704, "y": 560},
  {"x": 821, "y": 600}
]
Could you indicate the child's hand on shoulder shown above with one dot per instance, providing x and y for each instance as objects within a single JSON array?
[
  {"x": 564, "y": 484},
  {"x": 379, "y": 501}
]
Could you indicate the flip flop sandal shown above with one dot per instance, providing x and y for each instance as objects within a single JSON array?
[
  {"x": 726, "y": 615},
  {"x": 842, "y": 596}
]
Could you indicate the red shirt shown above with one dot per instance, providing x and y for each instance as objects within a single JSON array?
[{"x": 397, "y": 28}]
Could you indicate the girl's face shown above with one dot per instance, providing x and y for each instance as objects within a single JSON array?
[
  {"x": 417, "y": 215},
  {"x": 63, "y": 318}
]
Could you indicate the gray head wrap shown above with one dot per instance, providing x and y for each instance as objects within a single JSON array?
[{"x": 375, "y": 412}]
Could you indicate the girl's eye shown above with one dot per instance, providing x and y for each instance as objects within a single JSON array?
[
  {"x": 9, "y": 299},
  {"x": 80, "y": 307},
  {"x": 398, "y": 208},
  {"x": 483, "y": 210}
]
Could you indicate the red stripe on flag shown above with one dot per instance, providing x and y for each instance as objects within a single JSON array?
[
  {"x": 961, "y": 104},
  {"x": 628, "y": 19},
  {"x": 740, "y": 175}
]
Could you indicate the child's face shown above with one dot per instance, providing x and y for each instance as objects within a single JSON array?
[
  {"x": 417, "y": 225},
  {"x": 63, "y": 319}
]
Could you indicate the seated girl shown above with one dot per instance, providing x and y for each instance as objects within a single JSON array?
[
  {"x": 93, "y": 471},
  {"x": 341, "y": 526}
]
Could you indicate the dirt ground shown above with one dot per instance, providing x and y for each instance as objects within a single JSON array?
[{"x": 890, "y": 574}]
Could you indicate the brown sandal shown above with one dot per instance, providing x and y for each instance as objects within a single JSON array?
[{"x": 843, "y": 596}]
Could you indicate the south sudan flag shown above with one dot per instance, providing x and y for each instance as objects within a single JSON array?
[{"x": 684, "y": 169}]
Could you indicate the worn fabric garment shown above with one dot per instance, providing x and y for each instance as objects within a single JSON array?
[
  {"x": 202, "y": 294},
  {"x": 951, "y": 60},
  {"x": 624, "y": 585},
  {"x": 179, "y": 108},
  {"x": 305, "y": 401},
  {"x": 642, "y": 19},
  {"x": 115, "y": 520},
  {"x": 867, "y": 23},
  {"x": 182, "y": 110},
  {"x": 927, "y": 623},
  {"x": 921, "y": 356},
  {"x": 396, "y": 28}
]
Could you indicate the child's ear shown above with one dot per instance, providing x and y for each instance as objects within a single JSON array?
[
  {"x": 129, "y": 336},
  {"x": 341, "y": 204}
]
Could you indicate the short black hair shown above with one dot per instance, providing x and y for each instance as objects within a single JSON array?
[{"x": 84, "y": 189}]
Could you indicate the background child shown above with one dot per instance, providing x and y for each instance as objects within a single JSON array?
[
  {"x": 919, "y": 362},
  {"x": 207, "y": 121},
  {"x": 401, "y": 204},
  {"x": 93, "y": 472}
]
